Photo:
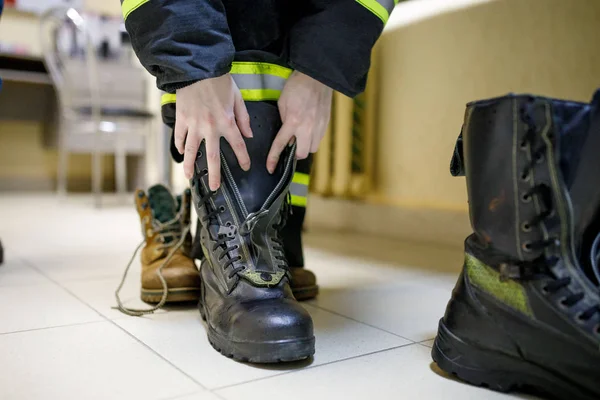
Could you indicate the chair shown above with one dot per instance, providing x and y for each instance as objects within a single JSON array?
[{"x": 102, "y": 103}]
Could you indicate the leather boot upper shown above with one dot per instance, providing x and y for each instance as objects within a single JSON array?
[{"x": 162, "y": 217}]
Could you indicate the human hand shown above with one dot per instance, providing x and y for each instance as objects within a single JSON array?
[
  {"x": 305, "y": 108},
  {"x": 208, "y": 110}
]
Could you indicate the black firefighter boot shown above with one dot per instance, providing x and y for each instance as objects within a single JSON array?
[
  {"x": 246, "y": 298},
  {"x": 525, "y": 313}
]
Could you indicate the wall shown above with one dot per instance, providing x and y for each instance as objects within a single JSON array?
[
  {"x": 432, "y": 66},
  {"x": 435, "y": 56}
]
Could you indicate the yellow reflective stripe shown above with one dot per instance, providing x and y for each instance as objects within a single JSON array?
[
  {"x": 167, "y": 98},
  {"x": 302, "y": 179},
  {"x": 247, "y": 94},
  {"x": 375, "y": 8},
  {"x": 260, "y": 94},
  {"x": 129, "y": 6},
  {"x": 259, "y": 68},
  {"x": 298, "y": 201}
]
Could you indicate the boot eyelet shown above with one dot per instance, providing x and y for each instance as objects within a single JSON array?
[
  {"x": 526, "y": 227},
  {"x": 539, "y": 158},
  {"x": 579, "y": 319},
  {"x": 525, "y": 197},
  {"x": 222, "y": 208},
  {"x": 562, "y": 304},
  {"x": 545, "y": 290},
  {"x": 228, "y": 223},
  {"x": 204, "y": 171},
  {"x": 525, "y": 176},
  {"x": 199, "y": 154},
  {"x": 523, "y": 145},
  {"x": 526, "y": 246}
]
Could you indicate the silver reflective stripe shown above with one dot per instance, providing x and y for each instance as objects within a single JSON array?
[
  {"x": 298, "y": 189},
  {"x": 258, "y": 81},
  {"x": 388, "y": 5}
]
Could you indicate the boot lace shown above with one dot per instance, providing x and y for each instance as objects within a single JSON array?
[
  {"x": 544, "y": 194},
  {"x": 278, "y": 245},
  {"x": 222, "y": 239},
  {"x": 172, "y": 236}
]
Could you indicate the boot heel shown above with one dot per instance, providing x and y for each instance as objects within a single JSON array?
[{"x": 474, "y": 365}]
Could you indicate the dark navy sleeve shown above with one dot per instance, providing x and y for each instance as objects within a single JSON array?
[
  {"x": 332, "y": 43},
  {"x": 179, "y": 41}
]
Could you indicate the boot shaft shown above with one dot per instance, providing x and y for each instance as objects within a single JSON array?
[
  {"x": 240, "y": 220},
  {"x": 529, "y": 163}
]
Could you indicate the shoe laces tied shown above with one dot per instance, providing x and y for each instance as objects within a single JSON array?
[{"x": 544, "y": 195}]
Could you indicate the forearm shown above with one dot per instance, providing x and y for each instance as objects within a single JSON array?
[{"x": 179, "y": 41}]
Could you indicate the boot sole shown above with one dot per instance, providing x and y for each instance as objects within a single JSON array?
[
  {"x": 260, "y": 352},
  {"x": 178, "y": 295},
  {"x": 306, "y": 292},
  {"x": 497, "y": 371}
]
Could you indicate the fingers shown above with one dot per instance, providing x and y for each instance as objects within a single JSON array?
[
  {"x": 214, "y": 162},
  {"x": 241, "y": 116},
  {"x": 192, "y": 143},
  {"x": 282, "y": 139},
  {"x": 318, "y": 136},
  {"x": 238, "y": 145},
  {"x": 180, "y": 133},
  {"x": 303, "y": 144}
]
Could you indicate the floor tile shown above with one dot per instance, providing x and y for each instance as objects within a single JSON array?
[
  {"x": 14, "y": 272},
  {"x": 181, "y": 338},
  {"x": 404, "y": 373},
  {"x": 428, "y": 343},
  {"x": 93, "y": 361},
  {"x": 41, "y": 306},
  {"x": 201, "y": 395},
  {"x": 410, "y": 308},
  {"x": 74, "y": 266},
  {"x": 100, "y": 294}
]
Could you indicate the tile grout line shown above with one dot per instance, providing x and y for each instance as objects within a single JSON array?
[
  {"x": 360, "y": 322},
  {"x": 49, "y": 327},
  {"x": 117, "y": 326},
  {"x": 314, "y": 366}
]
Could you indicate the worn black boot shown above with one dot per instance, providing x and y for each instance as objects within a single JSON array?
[
  {"x": 525, "y": 313},
  {"x": 246, "y": 299}
]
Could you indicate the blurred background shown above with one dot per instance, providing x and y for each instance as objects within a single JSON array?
[{"x": 73, "y": 121}]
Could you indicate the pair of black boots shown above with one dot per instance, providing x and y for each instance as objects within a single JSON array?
[{"x": 526, "y": 310}]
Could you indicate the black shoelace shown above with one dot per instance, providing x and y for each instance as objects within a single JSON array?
[
  {"x": 222, "y": 240},
  {"x": 544, "y": 195},
  {"x": 286, "y": 210}
]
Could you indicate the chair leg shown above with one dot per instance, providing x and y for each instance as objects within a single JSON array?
[
  {"x": 62, "y": 171},
  {"x": 121, "y": 172},
  {"x": 97, "y": 178}
]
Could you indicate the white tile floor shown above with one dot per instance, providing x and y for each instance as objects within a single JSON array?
[{"x": 60, "y": 339}]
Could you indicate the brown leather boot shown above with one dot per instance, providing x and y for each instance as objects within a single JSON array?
[
  {"x": 303, "y": 284},
  {"x": 163, "y": 219}
]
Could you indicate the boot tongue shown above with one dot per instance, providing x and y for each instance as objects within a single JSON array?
[
  {"x": 580, "y": 163},
  {"x": 162, "y": 203}
]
